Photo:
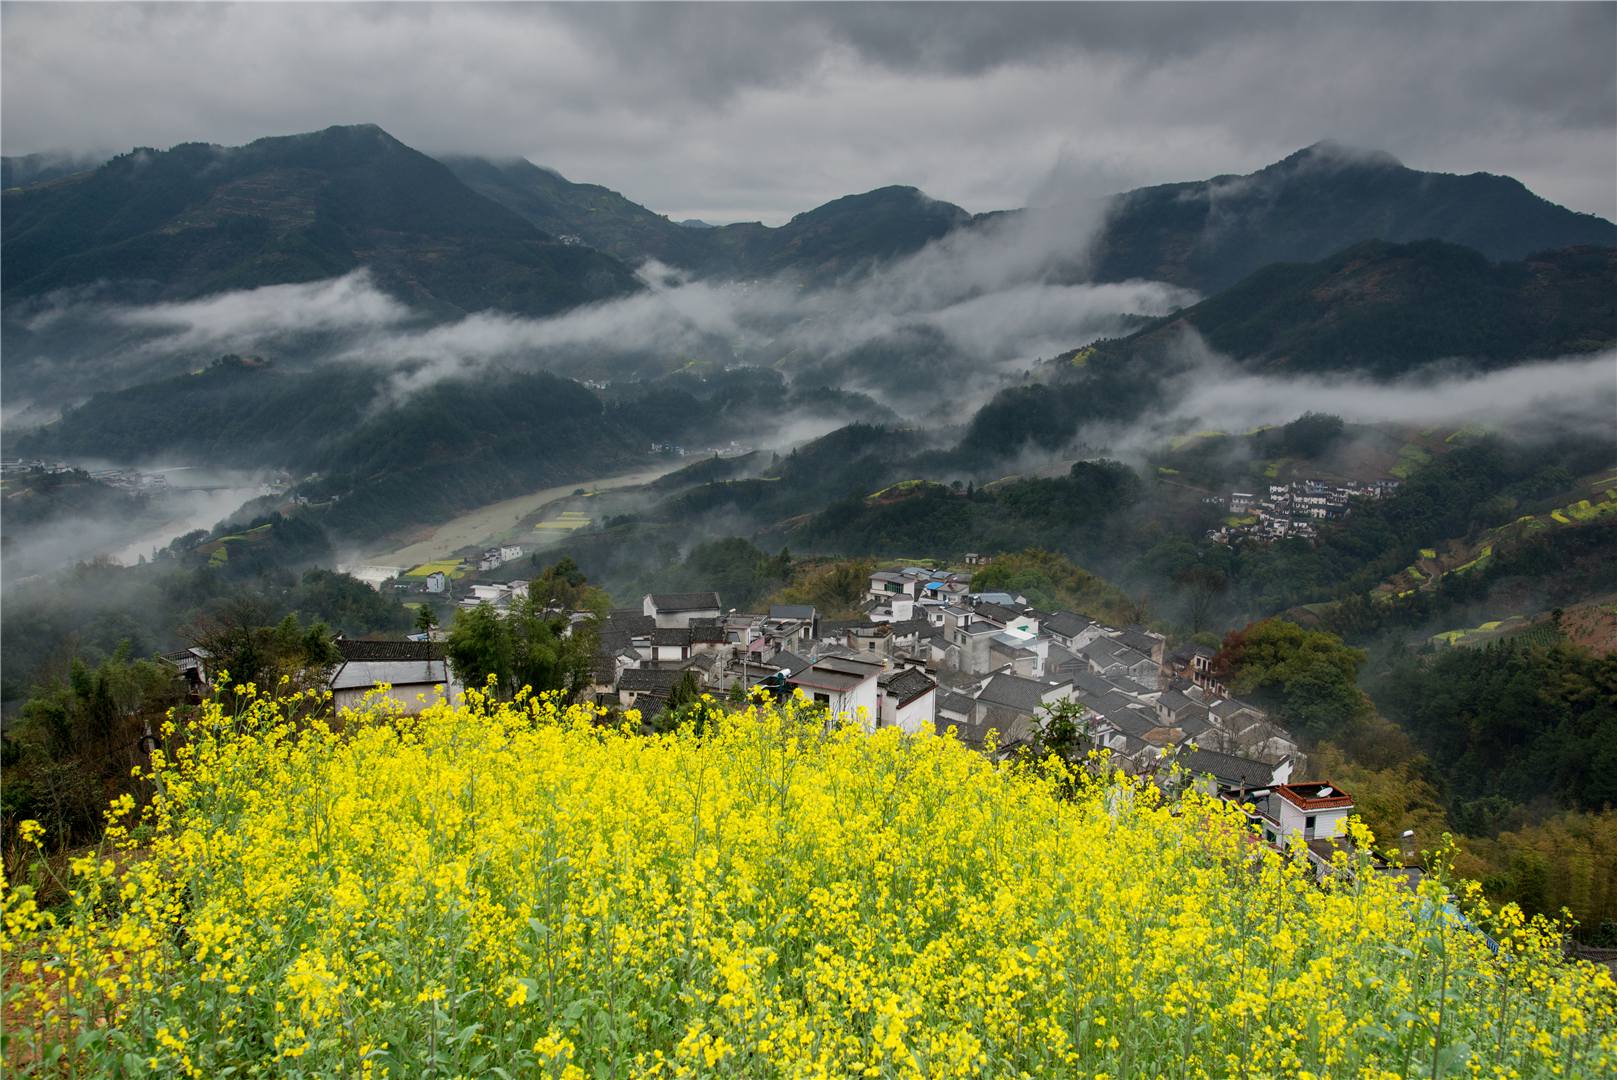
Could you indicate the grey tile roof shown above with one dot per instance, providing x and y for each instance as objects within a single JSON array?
[
  {"x": 642, "y": 680},
  {"x": 1194, "y": 727},
  {"x": 1010, "y": 650},
  {"x": 906, "y": 685},
  {"x": 790, "y": 661},
  {"x": 389, "y": 650},
  {"x": 1015, "y": 692},
  {"x": 1230, "y": 707},
  {"x": 629, "y": 622},
  {"x": 684, "y": 601},
  {"x": 671, "y": 636},
  {"x": 822, "y": 678},
  {"x": 364, "y": 674},
  {"x": 1066, "y": 624},
  {"x": 791, "y": 611},
  {"x": 850, "y": 665},
  {"x": 1130, "y": 722},
  {"x": 1137, "y": 637},
  {"x": 1227, "y": 768},
  {"x": 999, "y": 613},
  {"x": 1174, "y": 702},
  {"x": 838, "y": 627},
  {"x": 1106, "y": 652},
  {"x": 1087, "y": 682}
]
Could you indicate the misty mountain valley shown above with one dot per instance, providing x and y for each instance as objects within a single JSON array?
[{"x": 459, "y": 620}]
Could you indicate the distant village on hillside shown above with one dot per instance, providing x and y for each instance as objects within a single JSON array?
[{"x": 1291, "y": 511}]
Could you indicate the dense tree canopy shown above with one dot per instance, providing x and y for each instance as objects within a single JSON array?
[{"x": 1307, "y": 678}]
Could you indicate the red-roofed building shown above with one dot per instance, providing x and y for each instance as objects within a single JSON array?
[{"x": 1318, "y": 810}]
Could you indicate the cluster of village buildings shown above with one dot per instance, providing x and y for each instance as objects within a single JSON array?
[
  {"x": 128, "y": 480},
  {"x": 729, "y": 449},
  {"x": 929, "y": 654},
  {"x": 1292, "y": 510}
]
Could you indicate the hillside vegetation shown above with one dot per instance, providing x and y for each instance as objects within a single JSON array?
[
  {"x": 512, "y": 890},
  {"x": 1385, "y": 308}
]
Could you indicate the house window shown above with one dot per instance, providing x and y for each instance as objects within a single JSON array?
[
  {"x": 823, "y": 699},
  {"x": 1308, "y": 825}
]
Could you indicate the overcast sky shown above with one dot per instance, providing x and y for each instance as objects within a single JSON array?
[{"x": 740, "y": 112}]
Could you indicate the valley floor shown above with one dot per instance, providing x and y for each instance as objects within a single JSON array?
[{"x": 498, "y": 521}]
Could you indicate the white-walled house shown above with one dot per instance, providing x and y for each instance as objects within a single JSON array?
[
  {"x": 845, "y": 686},
  {"x": 1313, "y": 810},
  {"x": 1071, "y": 631},
  {"x": 415, "y": 673},
  {"x": 907, "y": 700},
  {"x": 676, "y": 611},
  {"x": 889, "y": 585}
]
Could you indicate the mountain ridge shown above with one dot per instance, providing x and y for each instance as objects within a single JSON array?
[
  {"x": 1209, "y": 234},
  {"x": 198, "y": 218}
]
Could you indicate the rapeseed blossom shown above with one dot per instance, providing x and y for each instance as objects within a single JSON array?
[{"x": 515, "y": 886}]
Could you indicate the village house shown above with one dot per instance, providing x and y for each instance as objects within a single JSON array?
[
  {"x": 872, "y": 638},
  {"x": 1070, "y": 631},
  {"x": 1014, "y": 706},
  {"x": 415, "y": 672},
  {"x": 647, "y": 689},
  {"x": 500, "y": 597},
  {"x": 907, "y": 699},
  {"x": 792, "y": 624},
  {"x": 844, "y": 685},
  {"x": 1108, "y": 656},
  {"x": 1312, "y": 810},
  {"x": 1229, "y": 772},
  {"x": 495, "y": 557},
  {"x": 1194, "y": 663},
  {"x": 679, "y": 610}
]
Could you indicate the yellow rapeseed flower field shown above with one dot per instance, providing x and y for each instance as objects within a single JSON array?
[{"x": 512, "y": 889}]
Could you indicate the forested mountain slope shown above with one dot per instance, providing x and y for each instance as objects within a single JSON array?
[{"x": 199, "y": 219}]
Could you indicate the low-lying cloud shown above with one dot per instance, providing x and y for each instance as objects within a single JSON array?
[
  {"x": 1543, "y": 398},
  {"x": 348, "y": 303},
  {"x": 973, "y": 307},
  {"x": 1549, "y": 394}
]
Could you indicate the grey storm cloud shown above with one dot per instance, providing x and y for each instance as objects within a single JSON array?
[{"x": 739, "y": 111}]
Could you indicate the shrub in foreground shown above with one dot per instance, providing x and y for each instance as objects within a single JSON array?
[{"x": 510, "y": 889}]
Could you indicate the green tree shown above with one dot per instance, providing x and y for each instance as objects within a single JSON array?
[
  {"x": 1311, "y": 434},
  {"x": 479, "y": 646},
  {"x": 1307, "y": 678},
  {"x": 531, "y": 646}
]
